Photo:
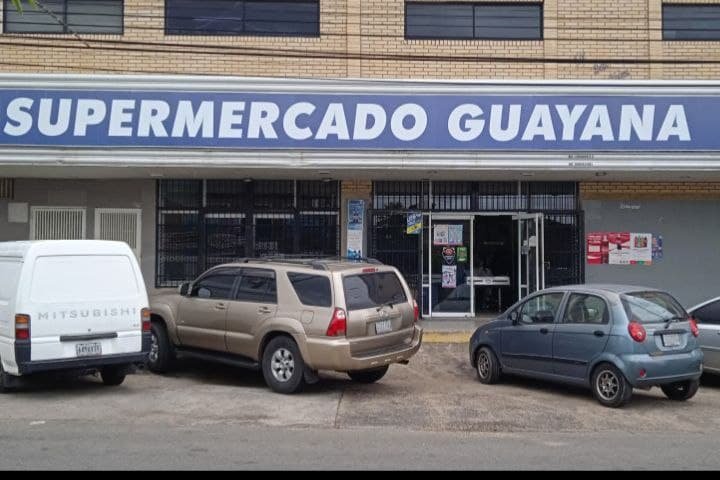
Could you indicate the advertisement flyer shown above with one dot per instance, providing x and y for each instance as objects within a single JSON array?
[
  {"x": 455, "y": 234},
  {"x": 440, "y": 234},
  {"x": 621, "y": 248},
  {"x": 356, "y": 216},
  {"x": 449, "y": 276},
  {"x": 414, "y": 223}
]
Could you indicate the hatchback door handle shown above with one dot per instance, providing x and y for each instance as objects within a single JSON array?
[
  {"x": 544, "y": 331},
  {"x": 598, "y": 333}
]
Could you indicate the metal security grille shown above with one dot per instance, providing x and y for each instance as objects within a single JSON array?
[
  {"x": 202, "y": 223},
  {"x": 57, "y": 223},
  {"x": 7, "y": 188},
  {"x": 121, "y": 224}
]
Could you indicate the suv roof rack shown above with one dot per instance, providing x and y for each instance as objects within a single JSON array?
[{"x": 317, "y": 262}]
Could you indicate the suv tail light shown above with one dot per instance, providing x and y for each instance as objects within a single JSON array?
[
  {"x": 693, "y": 327},
  {"x": 22, "y": 327},
  {"x": 338, "y": 324},
  {"x": 637, "y": 332},
  {"x": 416, "y": 310},
  {"x": 145, "y": 319}
]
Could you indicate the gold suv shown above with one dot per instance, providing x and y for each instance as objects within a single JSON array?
[{"x": 290, "y": 318}]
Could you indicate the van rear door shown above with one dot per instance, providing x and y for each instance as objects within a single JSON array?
[{"x": 84, "y": 305}]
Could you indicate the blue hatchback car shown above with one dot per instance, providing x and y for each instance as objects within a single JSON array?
[{"x": 611, "y": 338}]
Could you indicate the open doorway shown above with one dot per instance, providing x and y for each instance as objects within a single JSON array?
[{"x": 495, "y": 263}]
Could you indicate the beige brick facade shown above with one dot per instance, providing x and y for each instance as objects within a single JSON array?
[
  {"x": 649, "y": 190},
  {"x": 587, "y": 39}
]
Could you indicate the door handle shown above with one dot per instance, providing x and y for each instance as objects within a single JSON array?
[
  {"x": 544, "y": 331},
  {"x": 598, "y": 333},
  {"x": 264, "y": 310},
  {"x": 220, "y": 306}
]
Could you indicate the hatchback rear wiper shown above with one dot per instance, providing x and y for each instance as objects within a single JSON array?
[{"x": 669, "y": 320}]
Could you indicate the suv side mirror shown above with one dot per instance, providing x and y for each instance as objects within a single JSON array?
[
  {"x": 513, "y": 317},
  {"x": 184, "y": 288}
]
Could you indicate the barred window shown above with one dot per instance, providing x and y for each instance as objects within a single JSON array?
[{"x": 691, "y": 22}]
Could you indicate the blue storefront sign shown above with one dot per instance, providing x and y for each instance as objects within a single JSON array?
[{"x": 72, "y": 118}]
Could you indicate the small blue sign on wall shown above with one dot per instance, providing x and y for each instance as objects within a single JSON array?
[{"x": 414, "y": 223}]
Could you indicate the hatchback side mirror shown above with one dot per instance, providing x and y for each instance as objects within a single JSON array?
[{"x": 184, "y": 288}]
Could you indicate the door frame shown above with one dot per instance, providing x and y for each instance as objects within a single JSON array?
[
  {"x": 469, "y": 217},
  {"x": 539, "y": 268}
]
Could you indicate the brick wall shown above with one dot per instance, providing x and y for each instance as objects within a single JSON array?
[
  {"x": 590, "y": 33},
  {"x": 649, "y": 190}
]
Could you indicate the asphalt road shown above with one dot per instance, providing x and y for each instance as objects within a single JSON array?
[{"x": 431, "y": 414}]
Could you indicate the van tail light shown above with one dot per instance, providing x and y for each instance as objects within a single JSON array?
[
  {"x": 145, "y": 318},
  {"x": 637, "y": 332},
  {"x": 416, "y": 310},
  {"x": 693, "y": 327},
  {"x": 338, "y": 324},
  {"x": 22, "y": 327}
]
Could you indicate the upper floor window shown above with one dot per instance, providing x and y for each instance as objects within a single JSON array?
[
  {"x": 481, "y": 21},
  {"x": 229, "y": 17},
  {"x": 65, "y": 16},
  {"x": 691, "y": 22}
]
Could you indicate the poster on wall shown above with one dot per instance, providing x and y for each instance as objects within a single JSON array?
[
  {"x": 356, "y": 216},
  {"x": 455, "y": 234},
  {"x": 449, "y": 276},
  {"x": 448, "y": 255},
  {"x": 414, "y": 223},
  {"x": 462, "y": 254},
  {"x": 657, "y": 247},
  {"x": 620, "y": 248},
  {"x": 440, "y": 234}
]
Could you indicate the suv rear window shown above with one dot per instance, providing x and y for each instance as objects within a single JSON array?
[
  {"x": 370, "y": 290},
  {"x": 312, "y": 290},
  {"x": 651, "y": 307}
]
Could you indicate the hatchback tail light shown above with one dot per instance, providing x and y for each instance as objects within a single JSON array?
[
  {"x": 22, "y": 327},
  {"x": 416, "y": 310},
  {"x": 338, "y": 324},
  {"x": 145, "y": 319},
  {"x": 637, "y": 332},
  {"x": 693, "y": 327}
]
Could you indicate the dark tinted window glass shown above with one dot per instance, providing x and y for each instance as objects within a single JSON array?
[
  {"x": 586, "y": 309},
  {"x": 521, "y": 21},
  {"x": 217, "y": 284},
  {"x": 372, "y": 289},
  {"x": 650, "y": 307},
  {"x": 691, "y": 22},
  {"x": 257, "y": 285},
  {"x": 79, "y": 16},
  {"x": 710, "y": 313},
  {"x": 312, "y": 290},
  {"x": 229, "y": 17}
]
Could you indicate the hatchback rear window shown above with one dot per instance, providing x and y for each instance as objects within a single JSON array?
[
  {"x": 372, "y": 290},
  {"x": 312, "y": 290},
  {"x": 650, "y": 307}
]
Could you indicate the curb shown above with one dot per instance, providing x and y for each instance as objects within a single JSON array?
[{"x": 446, "y": 337}]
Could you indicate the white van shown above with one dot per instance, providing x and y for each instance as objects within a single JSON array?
[{"x": 77, "y": 305}]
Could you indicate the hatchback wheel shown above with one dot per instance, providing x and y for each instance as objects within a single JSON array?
[
  {"x": 487, "y": 366},
  {"x": 681, "y": 391},
  {"x": 283, "y": 366},
  {"x": 610, "y": 387}
]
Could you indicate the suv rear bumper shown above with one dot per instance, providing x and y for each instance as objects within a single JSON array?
[{"x": 336, "y": 354}]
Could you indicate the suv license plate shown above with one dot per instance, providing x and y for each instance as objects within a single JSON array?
[
  {"x": 383, "y": 327},
  {"x": 671, "y": 340},
  {"x": 88, "y": 349}
]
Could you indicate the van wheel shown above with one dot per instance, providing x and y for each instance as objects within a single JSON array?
[
  {"x": 113, "y": 376},
  {"x": 162, "y": 353},
  {"x": 487, "y": 366},
  {"x": 368, "y": 376},
  {"x": 681, "y": 391},
  {"x": 283, "y": 366},
  {"x": 4, "y": 388},
  {"x": 610, "y": 387}
]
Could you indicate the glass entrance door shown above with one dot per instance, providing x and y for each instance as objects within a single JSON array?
[
  {"x": 531, "y": 255},
  {"x": 450, "y": 262}
]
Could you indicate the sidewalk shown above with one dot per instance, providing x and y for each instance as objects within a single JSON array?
[{"x": 453, "y": 330}]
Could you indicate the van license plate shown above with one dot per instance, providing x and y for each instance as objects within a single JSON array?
[
  {"x": 88, "y": 349},
  {"x": 383, "y": 327},
  {"x": 671, "y": 340}
]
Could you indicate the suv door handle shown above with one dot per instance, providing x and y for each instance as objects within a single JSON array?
[
  {"x": 544, "y": 331},
  {"x": 598, "y": 333},
  {"x": 264, "y": 310},
  {"x": 220, "y": 306}
]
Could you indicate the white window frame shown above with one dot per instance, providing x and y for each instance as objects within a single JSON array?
[
  {"x": 35, "y": 210},
  {"x": 138, "y": 225}
]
